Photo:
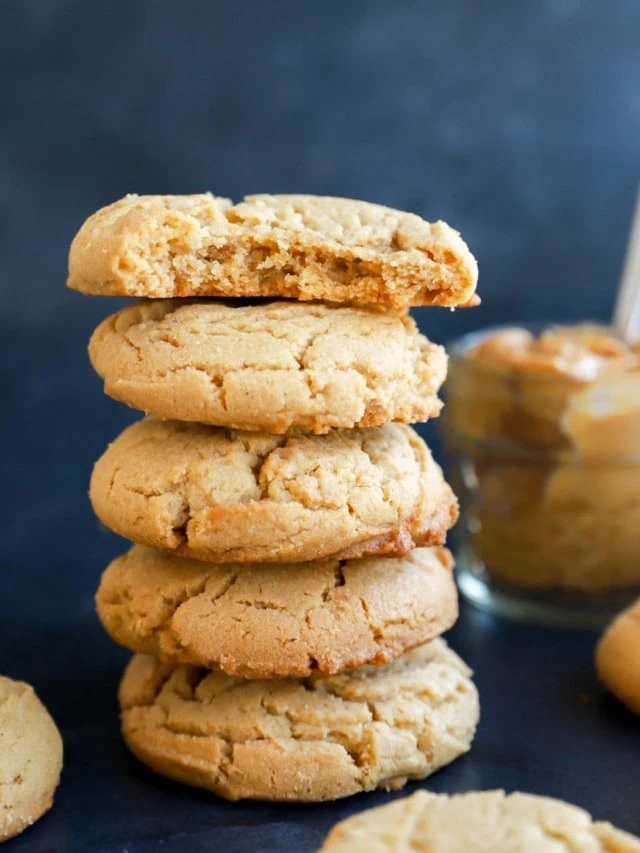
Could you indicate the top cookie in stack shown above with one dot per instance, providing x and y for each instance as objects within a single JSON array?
[
  {"x": 278, "y": 365},
  {"x": 292, "y": 246}
]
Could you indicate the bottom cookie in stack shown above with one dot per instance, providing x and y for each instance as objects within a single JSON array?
[{"x": 301, "y": 740}]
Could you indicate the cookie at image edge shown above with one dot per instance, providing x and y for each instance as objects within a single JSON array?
[
  {"x": 301, "y": 740},
  {"x": 277, "y": 621},
  {"x": 30, "y": 758},
  {"x": 270, "y": 366},
  {"x": 477, "y": 822},
  {"x": 298, "y": 246},
  {"x": 618, "y": 657},
  {"x": 227, "y": 496}
]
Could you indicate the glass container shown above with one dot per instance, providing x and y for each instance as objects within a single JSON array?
[{"x": 543, "y": 439}]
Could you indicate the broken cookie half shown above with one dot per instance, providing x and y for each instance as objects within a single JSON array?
[{"x": 294, "y": 246}]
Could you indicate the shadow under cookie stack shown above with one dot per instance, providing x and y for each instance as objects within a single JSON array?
[{"x": 288, "y": 587}]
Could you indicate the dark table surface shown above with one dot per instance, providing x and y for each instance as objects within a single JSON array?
[{"x": 546, "y": 725}]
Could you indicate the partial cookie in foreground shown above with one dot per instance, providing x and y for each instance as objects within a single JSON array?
[
  {"x": 270, "y": 366},
  {"x": 277, "y": 621},
  {"x": 618, "y": 657},
  {"x": 301, "y": 740},
  {"x": 228, "y": 496},
  {"x": 30, "y": 758},
  {"x": 479, "y": 822},
  {"x": 299, "y": 246}
]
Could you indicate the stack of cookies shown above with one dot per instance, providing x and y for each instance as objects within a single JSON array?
[{"x": 287, "y": 587}]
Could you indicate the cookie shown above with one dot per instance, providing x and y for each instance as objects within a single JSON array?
[
  {"x": 301, "y": 740},
  {"x": 270, "y": 366},
  {"x": 30, "y": 758},
  {"x": 233, "y": 497},
  {"x": 277, "y": 621},
  {"x": 299, "y": 246},
  {"x": 479, "y": 822},
  {"x": 618, "y": 657}
]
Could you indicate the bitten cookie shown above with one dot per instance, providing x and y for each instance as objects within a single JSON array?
[
  {"x": 270, "y": 366},
  {"x": 30, "y": 758},
  {"x": 618, "y": 657},
  {"x": 277, "y": 621},
  {"x": 300, "y": 246},
  {"x": 479, "y": 822},
  {"x": 231, "y": 497},
  {"x": 301, "y": 740}
]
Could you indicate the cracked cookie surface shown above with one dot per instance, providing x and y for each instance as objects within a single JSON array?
[
  {"x": 618, "y": 657},
  {"x": 478, "y": 822},
  {"x": 299, "y": 246},
  {"x": 301, "y": 740},
  {"x": 30, "y": 758},
  {"x": 277, "y": 621},
  {"x": 229, "y": 496},
  {"x": 270, "y": 366}
]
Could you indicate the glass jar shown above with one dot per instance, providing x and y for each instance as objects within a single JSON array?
[{"x": 544, "y": 455}]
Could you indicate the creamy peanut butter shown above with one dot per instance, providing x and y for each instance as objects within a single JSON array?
[
  {"x": 583, "y": 352},
  {"x": 546, "y": 432},
  {"x": 518, "y": 386}
]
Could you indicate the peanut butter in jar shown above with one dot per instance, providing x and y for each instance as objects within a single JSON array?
[{"x": 543, "y": 431}]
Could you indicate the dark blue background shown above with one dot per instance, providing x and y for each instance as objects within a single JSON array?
[{"x": 518, "y": 122}]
